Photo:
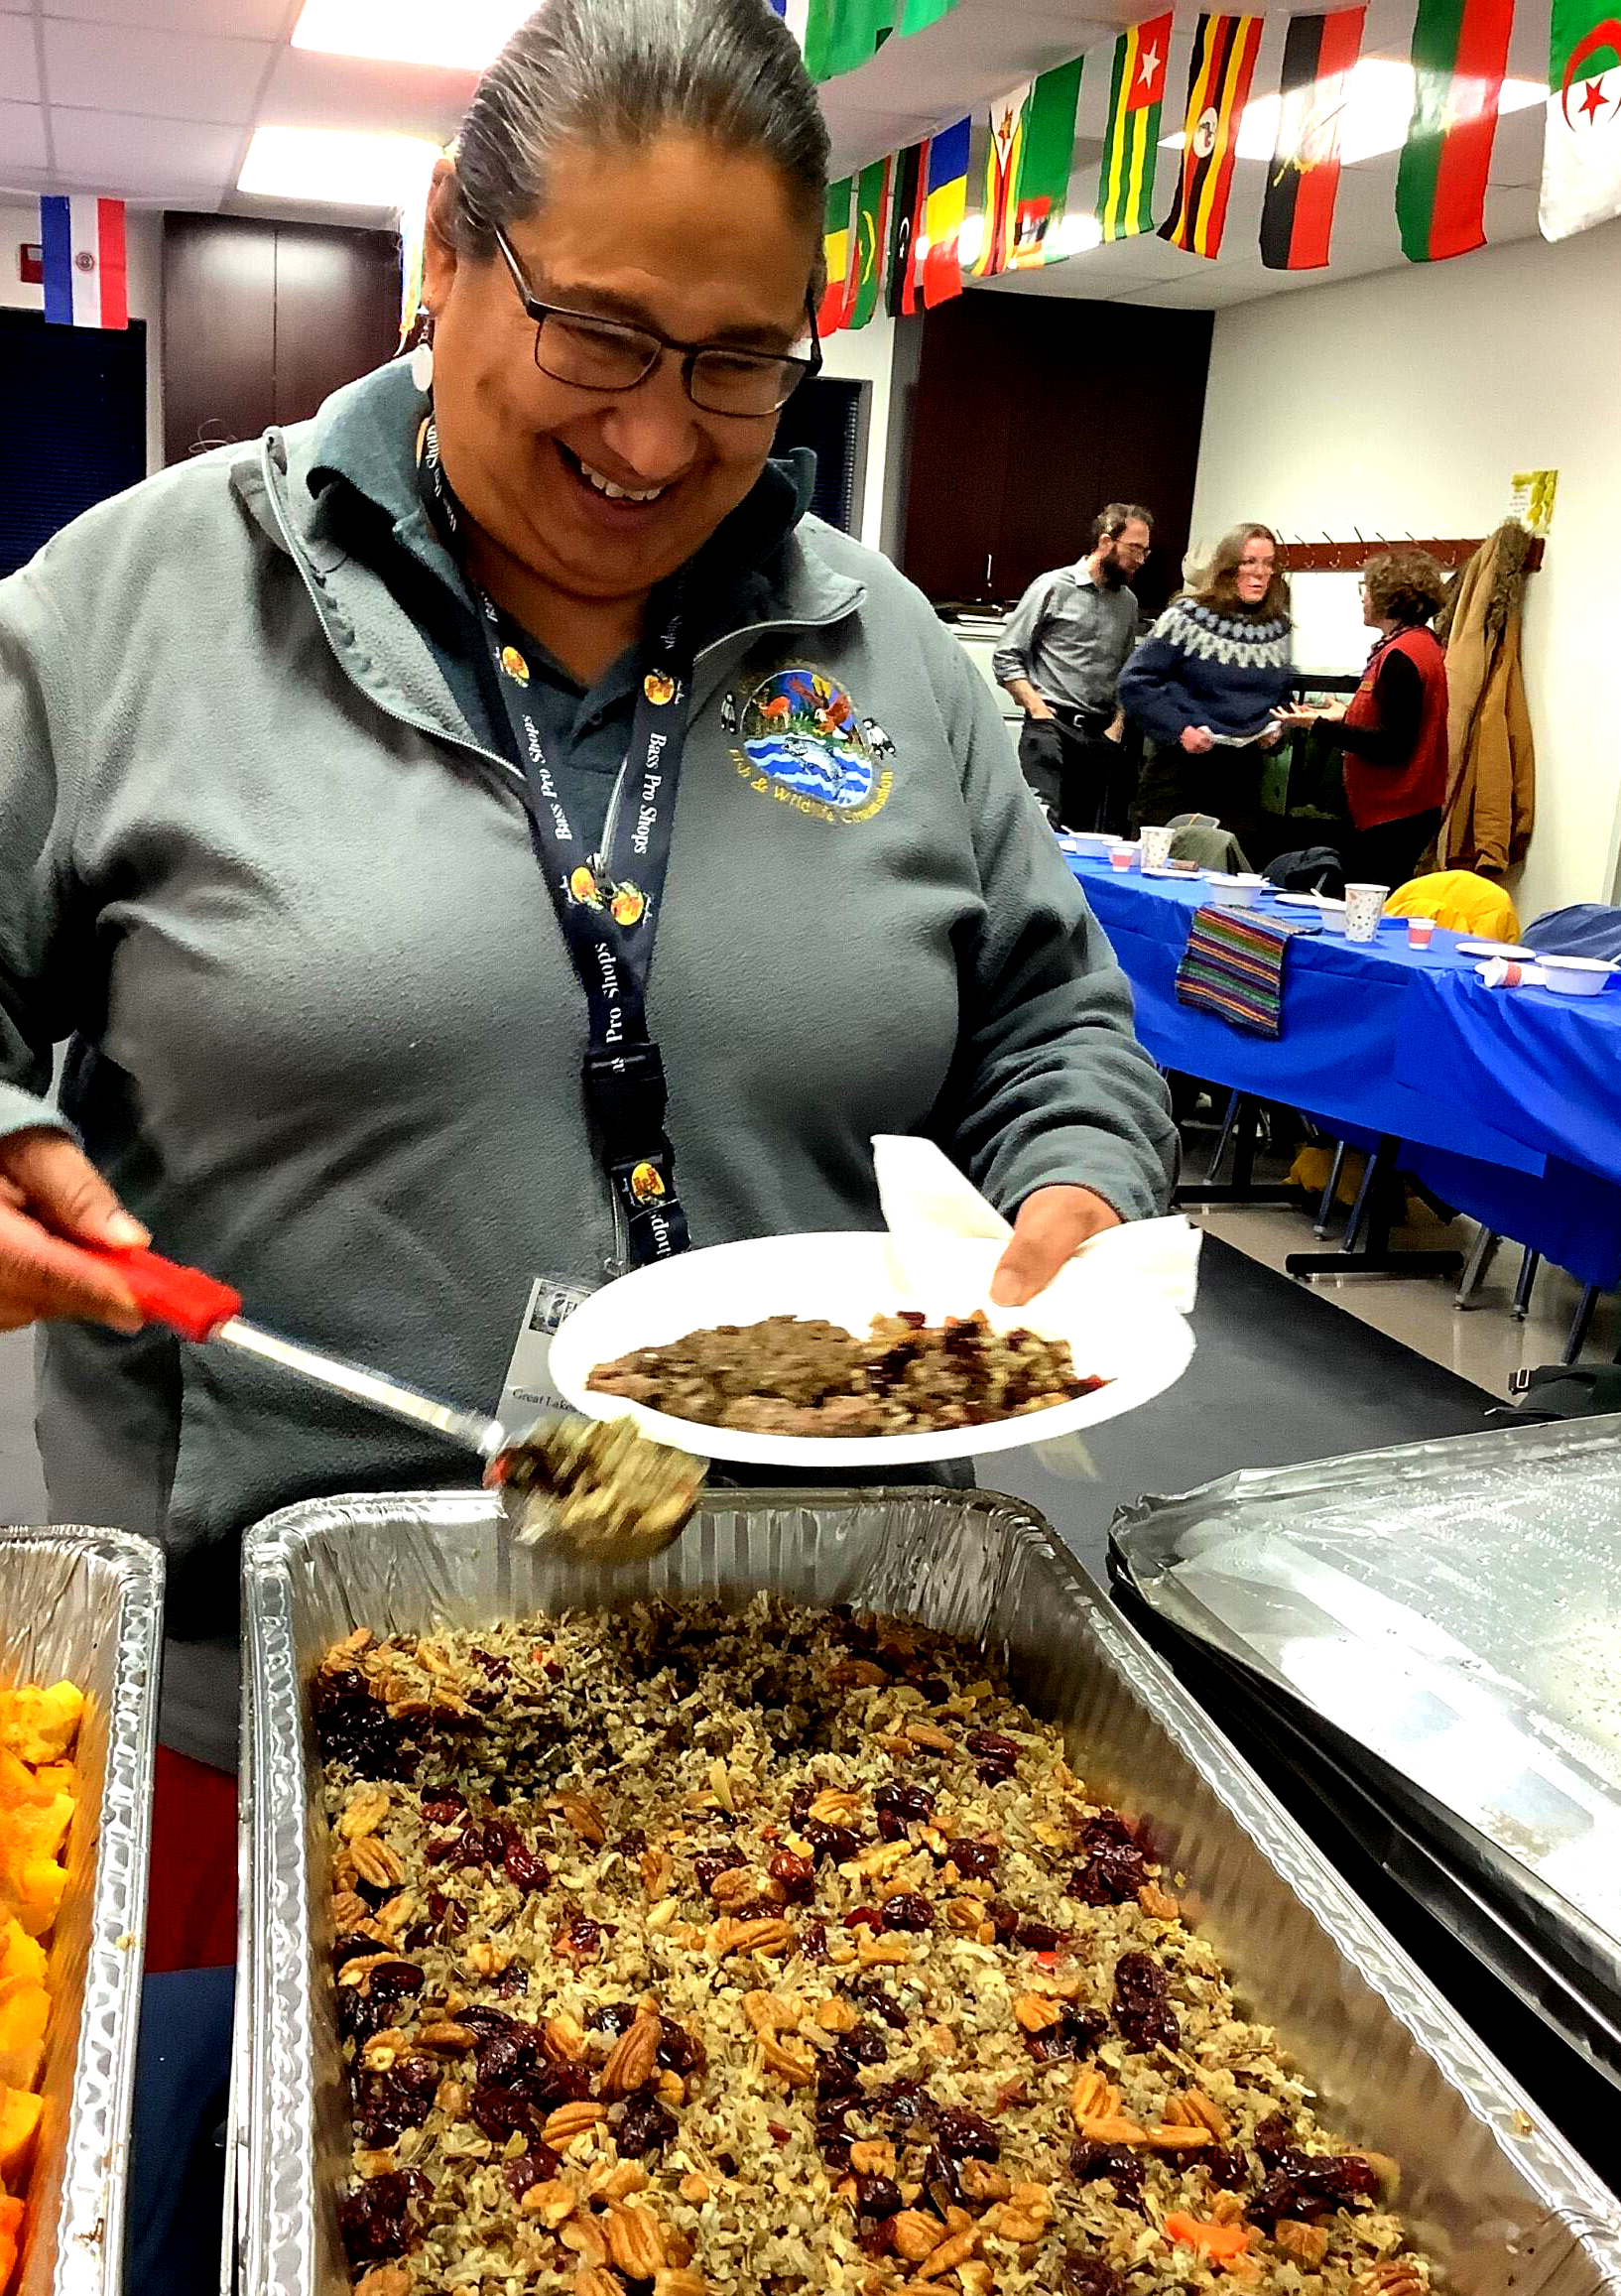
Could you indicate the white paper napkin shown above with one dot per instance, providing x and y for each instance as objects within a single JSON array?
[{"x": 931, "y": 1211}]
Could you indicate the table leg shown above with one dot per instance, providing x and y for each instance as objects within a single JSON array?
[
  {"x": 1243, "y": 1127},
  {"x": 1381, "y": 1192},
  {"x": 1480, "y": 1259}
]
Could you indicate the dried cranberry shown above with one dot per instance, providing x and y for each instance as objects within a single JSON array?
[
  {"x": 794, "y": 1876},
  {"x": 441, "y": 1849},
  {"x": 1141, "y": 2007},
  {"x": 631, "y": 1843},
  {"x": 394, "y": 1981},
  {"x": 582, "y": 1936},
  {"x": 709, "y": 1865},
  {"x": 348, "y": 1949},
  {"x": 1076, "y": 2033},
  {"x": 1306, "y": 2184},
  {"x": 1090, "y": 2161},
  {"x": 876, "y": 2237},
  {"x": 902, "y": 2102},
  {"x": 498, "y": 1669},
  {"x": 443, "y": 1807},
  {"x": 834, "y": 1841},
  {"x": 976, "y": 1860},
  {"x": 1226, "y": 2166},
  {"x": 537, "y": 2166},
  {"x": 963, "y": 2133},
  {"x": 615, "y": 2017},
  {"x": 877, "y": 2196},
  {"x": 511, "y": 1982},
  {"x": 646, "y": 2128},
  {"x": 1091, "y": 2276},
  {"x": 996, "y": 1757},
  {"x": 814, "y": 1944},
  {"x": 799, "y": 1806},
  {"x": 940, "y": 2180},
  {"x": 386, "y": 2105},
  {"x": 1003, "y": 1920},
  {"x": 1107, "y": 1831},
  {"x": 523, "y": 1869},
  {"x": 509, "y": 2053},
  {"x": 931, "y": 1686},
  {"x": 864, "y": 1917},
  {"x": 1112, "y": 1876},
  {"x": 1274, "y": 2137},
  {"x": 883, "y": 2004},
  {"x": 484, "y": 2022},
  {"x": 838, "y": 2074},
  {"x": 353, "y": 1727},
  {"x": 678, "y": 2051},
  {"x": 502, "y": 2112},
  {"x": 448, "y": 1917},
  {"x": 1039, "y": 1937},
  {"x": 553, "y": 2084},
  {"x": 865, "y": 2044},
  {"x": 899, "y": 1806},
  {"x": 377, "y": 2219},
  {"x": 907, "y": 1911},
  {"x": 757, "y": 1909}
]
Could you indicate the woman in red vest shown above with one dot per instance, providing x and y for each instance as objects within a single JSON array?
[{"x": 1393, "y": 730}]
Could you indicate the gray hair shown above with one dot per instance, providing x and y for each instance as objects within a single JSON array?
[{"x": 622, "y": 72}]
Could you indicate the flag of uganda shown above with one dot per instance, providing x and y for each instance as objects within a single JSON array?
[
  {"x": 1218, "y": 87},
  {"x": 1125, "y": 189},
  {"x": 1297, "y": 219}
]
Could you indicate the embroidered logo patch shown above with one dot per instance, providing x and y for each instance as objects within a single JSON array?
[{"x": 804, "y": 743}]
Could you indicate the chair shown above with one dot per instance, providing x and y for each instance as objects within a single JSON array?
[
  {"x": 1459, "y": 901},
  {"x": 1585, "y": 929}
]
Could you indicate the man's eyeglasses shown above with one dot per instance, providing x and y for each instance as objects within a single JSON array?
[{"x": 611, "y": 354}]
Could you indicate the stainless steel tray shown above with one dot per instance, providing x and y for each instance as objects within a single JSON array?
[
  {"x": 88, "y": 1605},
  {"x": 1489, "y": 2188}
]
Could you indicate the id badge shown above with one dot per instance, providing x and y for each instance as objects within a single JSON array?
[{"x": 528, "y": 1393}]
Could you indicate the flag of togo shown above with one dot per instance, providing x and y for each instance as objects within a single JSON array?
[
  {"x": 1460, "y": 52},
  {"x": 1298, "y": 218},
  {"x": 1125, "y": 189}
]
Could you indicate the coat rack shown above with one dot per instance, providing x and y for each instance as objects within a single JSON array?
[{"x": 1303, "y": 555}]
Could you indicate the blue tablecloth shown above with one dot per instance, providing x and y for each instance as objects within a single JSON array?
[{"x": 1509, "y": 1114}]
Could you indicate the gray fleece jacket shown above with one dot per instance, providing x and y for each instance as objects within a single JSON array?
[{"x": 325, "y": 1036}]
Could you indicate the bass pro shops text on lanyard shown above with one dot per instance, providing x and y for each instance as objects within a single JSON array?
[{"x": 607, "y": 904}]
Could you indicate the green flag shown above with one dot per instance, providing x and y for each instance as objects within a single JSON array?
[
  {"x": 867, "y": 256},
  {"x": 840, "y": 35},
  {"x": 1045, "y": 155},
  {"x": 917, "y": 15}
]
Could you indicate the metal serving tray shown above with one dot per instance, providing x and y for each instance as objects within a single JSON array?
[
  {"x": 88, "y": 1605},
  {"x": 1489, "y": 2188}
]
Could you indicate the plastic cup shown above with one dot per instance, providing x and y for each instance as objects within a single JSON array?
[
  {"x": 1421, "y": 930},
  {"x": 1156, "y": 846},
  {"x": 1364, "y": 906},
  {"x": 1122, "y": 856}
]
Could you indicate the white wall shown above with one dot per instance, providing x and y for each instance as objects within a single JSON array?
[
  {"x": 1401, "y": 403},
  {"x": 866, "y": 355},
  {"x": 142, "y": 246}
]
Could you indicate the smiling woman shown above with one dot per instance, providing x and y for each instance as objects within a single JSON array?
[{"x": 270, "y": 820}]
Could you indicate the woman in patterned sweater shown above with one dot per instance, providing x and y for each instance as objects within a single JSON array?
[{"x": 1204, "y": 684}]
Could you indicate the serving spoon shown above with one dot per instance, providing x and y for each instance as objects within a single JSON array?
[{"x": 600, "y": 1488}]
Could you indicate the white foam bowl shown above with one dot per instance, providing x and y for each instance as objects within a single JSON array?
[
  {"x": 1235, "y": 892},
  {"x": 1576, "y": 975},
  {"x": 1093, "y": 842}
]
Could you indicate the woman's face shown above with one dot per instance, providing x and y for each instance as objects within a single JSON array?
[
  {"x": 696, "y": 243},
  {"x": 1255, "y": 569}
]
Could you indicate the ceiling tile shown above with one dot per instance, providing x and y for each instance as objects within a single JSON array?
[
  {"x": 167, "y": 75},
  {"x": 145, "y": 158},
  {"x": 19, "y": 66},
  {"x": 240, "y": 19},
  {"x": 311, "y": 91},
  {"x": 22, "y": 136}
]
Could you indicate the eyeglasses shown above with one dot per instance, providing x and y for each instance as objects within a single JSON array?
[{"x": 610, "y": 355}]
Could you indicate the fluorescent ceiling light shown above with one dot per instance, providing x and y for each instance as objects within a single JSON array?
[
  {"x": 1378, "y": 108},
  {"x": 1077, "y": 235},
  {"x": 338, "y": 168},
  {"x": 462, "y": 38},
  {"x": 970, "y": 239}
]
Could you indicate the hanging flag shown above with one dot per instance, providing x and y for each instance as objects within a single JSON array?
[
  {"x": 1002, "y": 153},
  {"x": 944, "y": 208},
  {"x": 1298, "y": 216},
  {"x": 836, "y": 248},
  {"x": 85, "y": 283},
  {"x": 1218, "y": 87},
  {"x": 871, "y": 231},
  {"x": 917, "y": 15},
  {"x": 1048, "y": 151},
  {"x": 842, "y": 35},
  {"x": 1460, "y": 52},
  {"x": 1581, "y": 146},
  {"x": 905, "y": 229},
  {"x": 1125, "y": 190}
]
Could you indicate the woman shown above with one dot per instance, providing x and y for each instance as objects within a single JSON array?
[
  {"x": 1204, "y": 684},
  {"x": 1393, "y": 730},
  {"x": 285, "y": 731}
]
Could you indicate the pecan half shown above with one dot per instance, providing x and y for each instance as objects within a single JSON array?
[
  {"x": 1307, "y": 2244},
  {"x": 633, "y": 2058},
  {"x": 584, "y": 2236},
  {"x": 636, "y": 2241},
  {"x": 1035, "y": 2013},
  {"x": 363, "y": 1812},
  {"x": 952, "y": 2251},
  {"x": 591, "y": 2282},
  {"x": 562, "y": 2040},
  {"x": 792, "y": 2061},
  {"x": 553, "y": 2201},
  {"x": 749, "y": 1937},
  {"x": 656, "y": 1867},
  {"x": 583, "y": 1816},
  {"x": 678, "y": 2284},
  {"x": 857, "y": 1674},
  {"x": 881, "y": 1952},
  {"x": 733, "y": 1887},
  {"x": 445, "y": 2037},
  {"x": 915, "y": 2234},
  {"x": 835, "y": 1806},
  {"x": 384, "y": 2280},
  {"x": 837, "y": 2016},
  {"x": 376, "y": 1864},
  {"x": 560, "y": 2128},
  {"x": 1157, "y": 1903},
  {"x": 928, "y": 1735},
  {"x": 980, "y": 2181}
]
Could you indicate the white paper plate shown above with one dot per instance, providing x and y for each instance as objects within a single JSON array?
[
  {"x": 1498, "y": 949},
  {"x": 1123, "y": 1332},
  {"x": 1184, "y": 876},
  {"x": 1310, "y": 901}
]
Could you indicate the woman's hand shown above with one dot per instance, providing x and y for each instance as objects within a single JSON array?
[
  {"x": 1051, "y": 1229},
  {"x": 1196, "y": 739},
  {"x": 50, "y": 1195},
  {"x": 1269, "y": 737}
]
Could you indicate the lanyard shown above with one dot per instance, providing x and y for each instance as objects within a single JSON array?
[{"x": 607, "y": 903}]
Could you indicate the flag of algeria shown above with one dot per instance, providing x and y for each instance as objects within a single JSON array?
[{"x": 1581, "y": 151}]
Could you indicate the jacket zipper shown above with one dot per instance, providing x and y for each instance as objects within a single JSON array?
[{"x": 621, "y": 1233}]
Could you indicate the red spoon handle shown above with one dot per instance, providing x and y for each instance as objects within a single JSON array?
[{"x": 184, "y": 1298}]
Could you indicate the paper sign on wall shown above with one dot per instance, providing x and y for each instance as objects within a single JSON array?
[{"x": 1531, "y": 498}]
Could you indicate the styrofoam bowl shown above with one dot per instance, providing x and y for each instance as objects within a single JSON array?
[
  {"x": 1576, "y": 976},
  {"x": 1123, "y": 1332},
  {"x": 1235, "y": 890}
]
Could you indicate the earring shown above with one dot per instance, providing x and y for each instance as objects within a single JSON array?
[{"x": 422, "y": 367}]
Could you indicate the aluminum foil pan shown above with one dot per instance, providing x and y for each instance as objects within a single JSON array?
[
  {"x": 1490, "y": 2189},
  {"x": 88, "y": 1605},
  {"x": 1448, "y": 1616}
]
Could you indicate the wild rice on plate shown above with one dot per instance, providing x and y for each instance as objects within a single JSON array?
[{"x": 773, "y": 1949}]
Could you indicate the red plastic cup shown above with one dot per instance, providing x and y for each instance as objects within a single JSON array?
[{"x": 1421, "y": 930}]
